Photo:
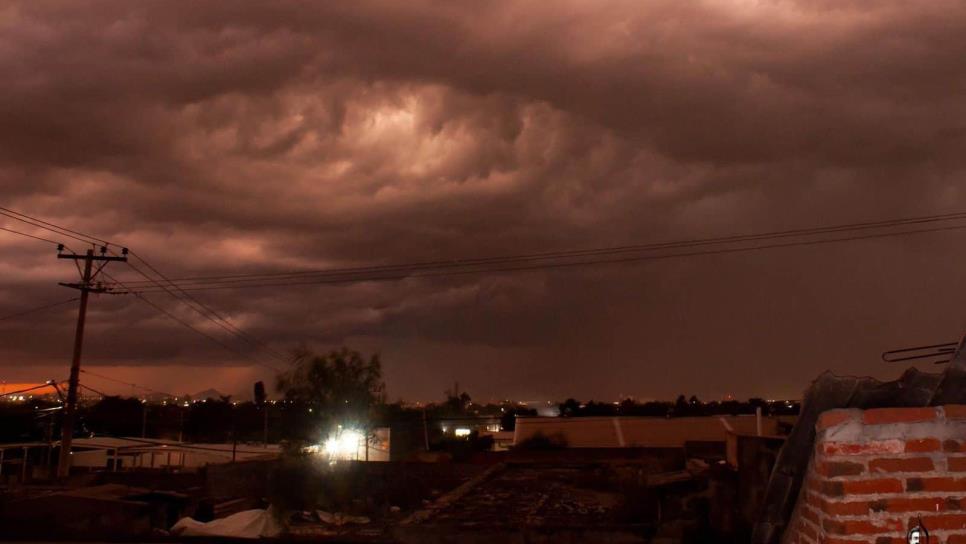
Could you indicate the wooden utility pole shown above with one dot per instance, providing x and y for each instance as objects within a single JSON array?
[
  {"x": 425, "y": 430},
  {"x": 144, "y": 419},
  {"x": 234, "y": 432},
  {"x": 265, "y": 423},
  {"x": 86, "y": 286}
]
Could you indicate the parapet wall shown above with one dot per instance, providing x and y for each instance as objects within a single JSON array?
[
  {"x": 874, "y": 472},
  {"x": 642, "y": 432}
]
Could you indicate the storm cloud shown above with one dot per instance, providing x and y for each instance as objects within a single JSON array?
[{"x": 225, "y": 137}]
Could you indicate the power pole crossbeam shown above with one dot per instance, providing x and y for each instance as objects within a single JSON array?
[{"x": 70, "y": 408}]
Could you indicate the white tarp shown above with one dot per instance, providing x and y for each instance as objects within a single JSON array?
[{"x": 246, "y": 524}]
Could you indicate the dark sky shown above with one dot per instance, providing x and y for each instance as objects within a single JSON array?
[{"x": 225, "y": 137}]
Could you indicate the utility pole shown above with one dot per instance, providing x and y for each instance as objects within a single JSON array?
[
  {"x": 265, "y": 424},
  {"x": 234, "y": 433},
  {"x": 50, "y": 441},
  {"x": 144, "y": 419},
  {"x": 86, "y": 286},
  {"x": 425, "y": 430}
]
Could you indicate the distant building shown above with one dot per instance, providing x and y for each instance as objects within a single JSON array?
[
  {"x": 621, "y": 431},
  {"x": 123, "y": 453},
  {"x": 466, "y": 425}
]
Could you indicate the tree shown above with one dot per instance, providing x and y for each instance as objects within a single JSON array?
[
  {"x": 569, "y": 408},
  {"x": 259, "y": 393},
  {"x": 758, "y": 402},
  {"x": 456, "y": 404},
  {"x": 115, "y": 416},
  {"x": 211, "y": 420},
  {"x": 339, "y": 388},
  {"x": 681, "y": 406},
  {"x": 508, "y": 421}
]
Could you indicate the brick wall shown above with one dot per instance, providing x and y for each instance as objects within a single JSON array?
[{"x": 873, "y": 472}]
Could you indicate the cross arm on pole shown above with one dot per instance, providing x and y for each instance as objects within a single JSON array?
[{"x": 92, "y": 257}]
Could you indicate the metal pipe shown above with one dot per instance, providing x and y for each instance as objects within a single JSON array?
[{"x": 940, "y": 349}]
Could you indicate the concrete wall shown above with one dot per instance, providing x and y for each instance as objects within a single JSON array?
[
  {"x": 102, "y": 512},
  {"x": 88, "y": 458},
  {"x": 600, "y": 432},
  {"x": 873, "y": 473}
]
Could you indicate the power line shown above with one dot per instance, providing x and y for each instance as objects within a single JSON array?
[
  {"x": 206, "y": 311},
  {"x": 122, "y": 382},
  {"x": 184, "y": 323},
  {"x": 91, "y": 389},
  {"x": 25, "y": 390},
  {"x": 39, "y": 308},
  {"x": 513, "y": 263},
  {"x": 437, "y": 268},
  {"x": 51, "y": 225},
  {"x": 203, "y": 309},
  {"x": 30, "y": 236},
  {"x": 573, "y": 253},
  {"x": 512, "y": 267},
  {"x": 40, "y": 226}
]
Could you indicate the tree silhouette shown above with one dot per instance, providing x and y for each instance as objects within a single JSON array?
[
  {"x": 259, "y": 393},
  {"x": 681, "y": 406},
  {"x": 570, "y": 407},
  {"x": 339, "y": 388}
]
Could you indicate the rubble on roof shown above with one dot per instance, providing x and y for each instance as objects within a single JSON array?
[{"x": 567, "y": 502}]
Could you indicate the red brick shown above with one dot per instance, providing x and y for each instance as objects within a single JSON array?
[
  {"x": 813, "y": 484},
  {"x": 866, "y": 487},
  {"x": 922, "y": 445},
  {"x": 862, "y": 526},
  {"x": 955, "y": 411},
  {"x": 948, "y": 522},
  {"x": 914, "y": 504},
  {"x": 837, "y": 540},
  {"x": 813, "y": 499},
  {"x": 848, "y": 508},
  {"x": 912, "y": 464},
  {"x": 833, "y": 418},
  {"x": 953, "y": 446},
  {"x": 833, "y": 526},
  {"x": 831, "y": 488},
  {"x": 811, "y": 515},
  {"x": 956, "y": 539},
  {"x": 880, "y": 416},
  {"x": 890, "y": 540},
  {"x": 808, "y": 530},
  {"x": 863, "y": 448},
  {"x": 833, "y": 469},
  {"x": 936, "y": 484},
  {"x": 956, "y": 464}
]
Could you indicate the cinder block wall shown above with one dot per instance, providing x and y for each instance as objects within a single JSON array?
[{"x": 873, "y": 472}]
